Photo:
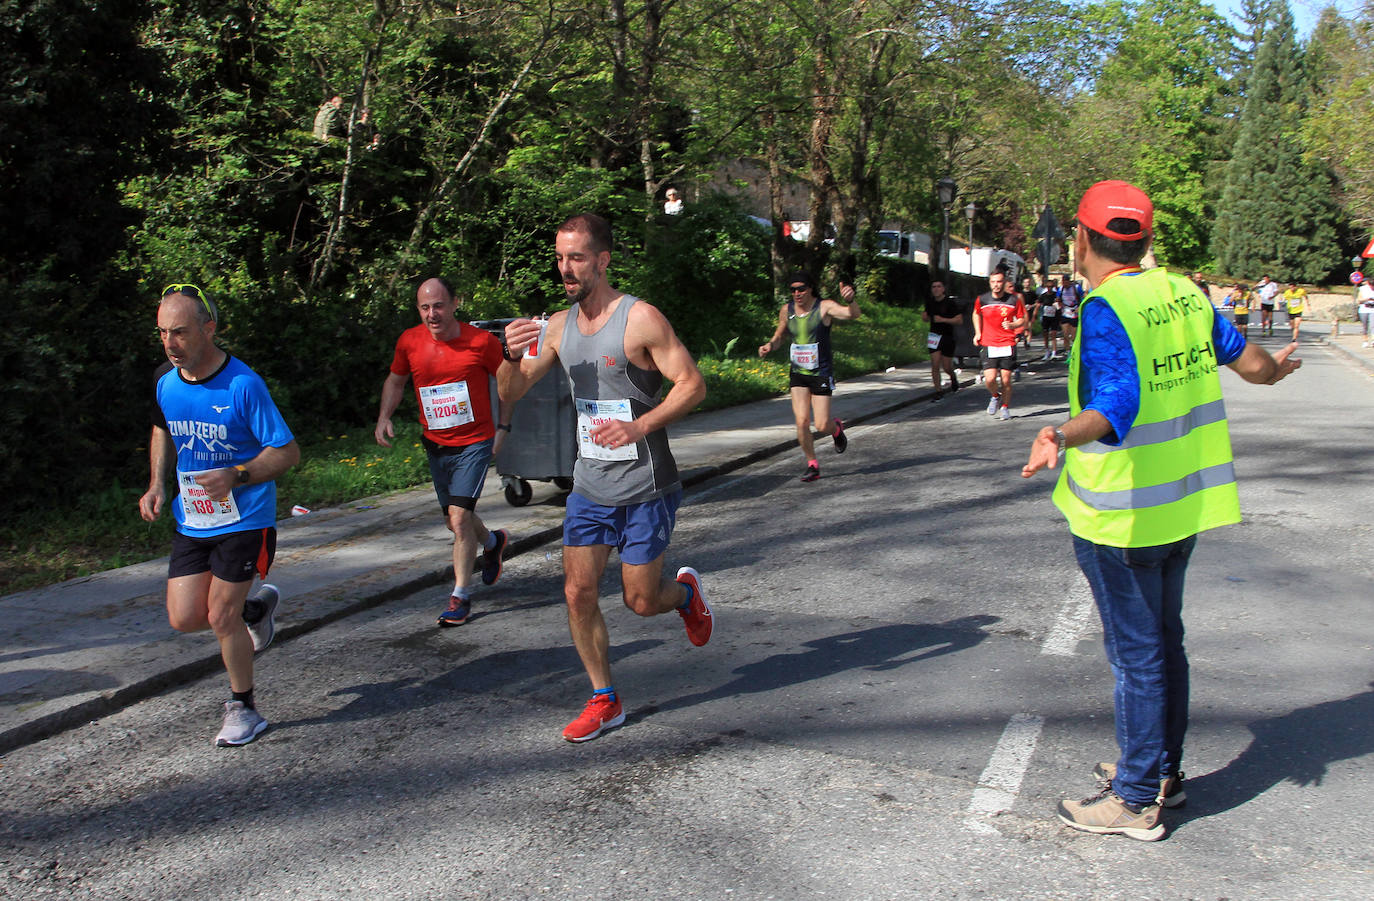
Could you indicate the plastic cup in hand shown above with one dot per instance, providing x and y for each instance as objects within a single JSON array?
[{"x": 538, "y": 343}]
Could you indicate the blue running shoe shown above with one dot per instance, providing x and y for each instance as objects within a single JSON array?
[{"x": 459, "y": 609}]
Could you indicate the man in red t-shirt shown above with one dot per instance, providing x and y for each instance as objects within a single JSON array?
[
  {"x": 450, "y": 363},
  {"x": 996, "y": 317}
]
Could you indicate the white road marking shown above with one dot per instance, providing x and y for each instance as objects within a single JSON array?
[
  {"x": 1072, "y": 620},
  {"x": 1001, "y": 779}
]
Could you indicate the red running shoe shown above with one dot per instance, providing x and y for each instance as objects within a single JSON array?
[
  {"x": 697, "y": 616},
  {"x": 602, "y": 712},
  {"x": 812, "y": 473}
]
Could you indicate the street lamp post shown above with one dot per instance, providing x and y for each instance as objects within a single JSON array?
[{"x": 945, "y": 190}]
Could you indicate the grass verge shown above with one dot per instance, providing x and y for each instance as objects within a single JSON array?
[{"x": 103, "y": 530}]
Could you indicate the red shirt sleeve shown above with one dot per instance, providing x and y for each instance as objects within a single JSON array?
[{"x": 400, "y": 360}]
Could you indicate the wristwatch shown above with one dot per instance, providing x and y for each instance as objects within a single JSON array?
[
  {"x": 243, "y": 474},
  {"x": 1060, "y": 440}
]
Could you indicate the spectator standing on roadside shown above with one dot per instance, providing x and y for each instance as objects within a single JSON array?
[
  {"x": 450, "y": 363},
  {"x": 218, "y": 430},
  {"x": 944, "y": 314},
  {"x": 996, "y": 317},
  {"x": 673, "y": 205},
  {"x": 1364, "y": 298},
  {"x": 811, "y": 375},
  {"x": 1147, "y": 466},
  {"x": 1202, "y": 286}
]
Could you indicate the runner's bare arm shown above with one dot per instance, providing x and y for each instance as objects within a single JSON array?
[
  {"x": 160, "y": 456},
  {"x": 392, "y": 390},
  {"x": 766, "y": 349},
  {"x": 266, "y": 466},
  {"x": 514, "y": 378},
  {"x": 652, "y": 344},
  {"x": 842, "y": 311}
]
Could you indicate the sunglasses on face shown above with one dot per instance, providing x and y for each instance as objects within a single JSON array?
[
  {"x": 800, "y": 289},
  {"x": 192, "y": 291}
]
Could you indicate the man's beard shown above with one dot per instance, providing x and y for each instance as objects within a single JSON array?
[{"x": 580, "y": 294}]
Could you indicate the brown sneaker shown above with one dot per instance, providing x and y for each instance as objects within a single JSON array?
[
  {"x": 1171, "y": 792},
  {"x": 1107, "y": 814}
]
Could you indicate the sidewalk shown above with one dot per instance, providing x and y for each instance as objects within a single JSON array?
[
  {"x": 76, "y": 651},
  {"x": 1348, "y": 343}
]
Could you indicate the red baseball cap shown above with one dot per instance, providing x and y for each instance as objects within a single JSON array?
[{"x": 1108, "y": 200}]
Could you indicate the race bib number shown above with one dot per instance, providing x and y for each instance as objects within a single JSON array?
[
  {"x": 446, "y": 406},
  {"x": 806, "y": 356},
  {"x": 594, "y": 413},
  {"x": 932, "y": 341},
  {"x": 199, "y": 510},
  {"x": 997, "y": 353}
]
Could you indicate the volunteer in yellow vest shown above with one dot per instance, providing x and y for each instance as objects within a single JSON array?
[
  {"x": 1147, "y": 465},
  {"x": 1295, "y": 301}
]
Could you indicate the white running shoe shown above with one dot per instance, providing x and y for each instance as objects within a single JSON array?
[
  {"x": 993, "y": 405},
  {"x": 264, "y": 629},
  {"x": 1004, "y": 413},
  {"x": 241, "y": 725}
]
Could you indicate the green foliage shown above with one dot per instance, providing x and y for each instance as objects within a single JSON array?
[
  {"x": 1336, "y": 129},
  {"x": 1277, "y": 216},
  {"x": 707, "y": 270},
  {"x": 156, "y": 142},
  {"x": 78, "y": 117}
]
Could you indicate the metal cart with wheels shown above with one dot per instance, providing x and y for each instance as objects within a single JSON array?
[{"x": 542, "y": 444}]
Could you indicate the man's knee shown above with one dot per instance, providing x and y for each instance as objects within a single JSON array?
[
  {"x": 461, "y": 521},
  {"x": 225, "y": 618},
  {"x": 581, "y": 599},
  {"x": 642, "y": 601},
  {"x": 187, "y": 620}
]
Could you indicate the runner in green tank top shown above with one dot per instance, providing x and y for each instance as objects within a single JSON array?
[{"x": 812, "y": 377}]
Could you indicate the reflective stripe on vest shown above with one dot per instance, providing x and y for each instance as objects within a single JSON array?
[
  {"x": 1168, "y": 430},
  {"x": 1172, "y": 476},
  {"x": 1154, "y": 495}
]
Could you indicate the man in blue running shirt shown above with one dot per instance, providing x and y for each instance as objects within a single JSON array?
[{"x": 216, "y": 427}]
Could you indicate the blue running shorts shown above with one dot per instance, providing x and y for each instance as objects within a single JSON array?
[{"x": 640, "y": 532}]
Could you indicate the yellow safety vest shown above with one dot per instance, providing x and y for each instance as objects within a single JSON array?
[{"x": 1172, "y": 476}]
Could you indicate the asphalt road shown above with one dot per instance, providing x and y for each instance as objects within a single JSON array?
[{"x": 906, "y": 677}]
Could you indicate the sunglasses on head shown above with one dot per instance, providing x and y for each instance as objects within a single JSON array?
[{"x": 192, "y": 291}]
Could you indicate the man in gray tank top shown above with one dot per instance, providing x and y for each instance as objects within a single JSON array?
[{"x": 616, "y": 351}]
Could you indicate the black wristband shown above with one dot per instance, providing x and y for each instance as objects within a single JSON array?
[{"x": 505, "y": 427}]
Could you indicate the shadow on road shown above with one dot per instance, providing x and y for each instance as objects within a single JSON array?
[
  {"x": 1297, "y": 746},
  {"x": 877, "y": 649}
]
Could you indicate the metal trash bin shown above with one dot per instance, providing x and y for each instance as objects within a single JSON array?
[{"x": 542, "y": 444}]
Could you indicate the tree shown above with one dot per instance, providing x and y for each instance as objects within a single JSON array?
[
  {"x": 1337, "y": 128},
  {"x": 1166, "y": 90},
  {"x": 78, "y": 118},
  {"x": 1276, "y": 215}
]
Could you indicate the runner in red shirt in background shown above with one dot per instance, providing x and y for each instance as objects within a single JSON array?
[
  {"x": 450, "y": 362},
  {"x": 996, "y": 317}
]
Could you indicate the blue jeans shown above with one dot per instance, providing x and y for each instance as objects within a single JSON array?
[{"x": 1139, "y": 594}]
